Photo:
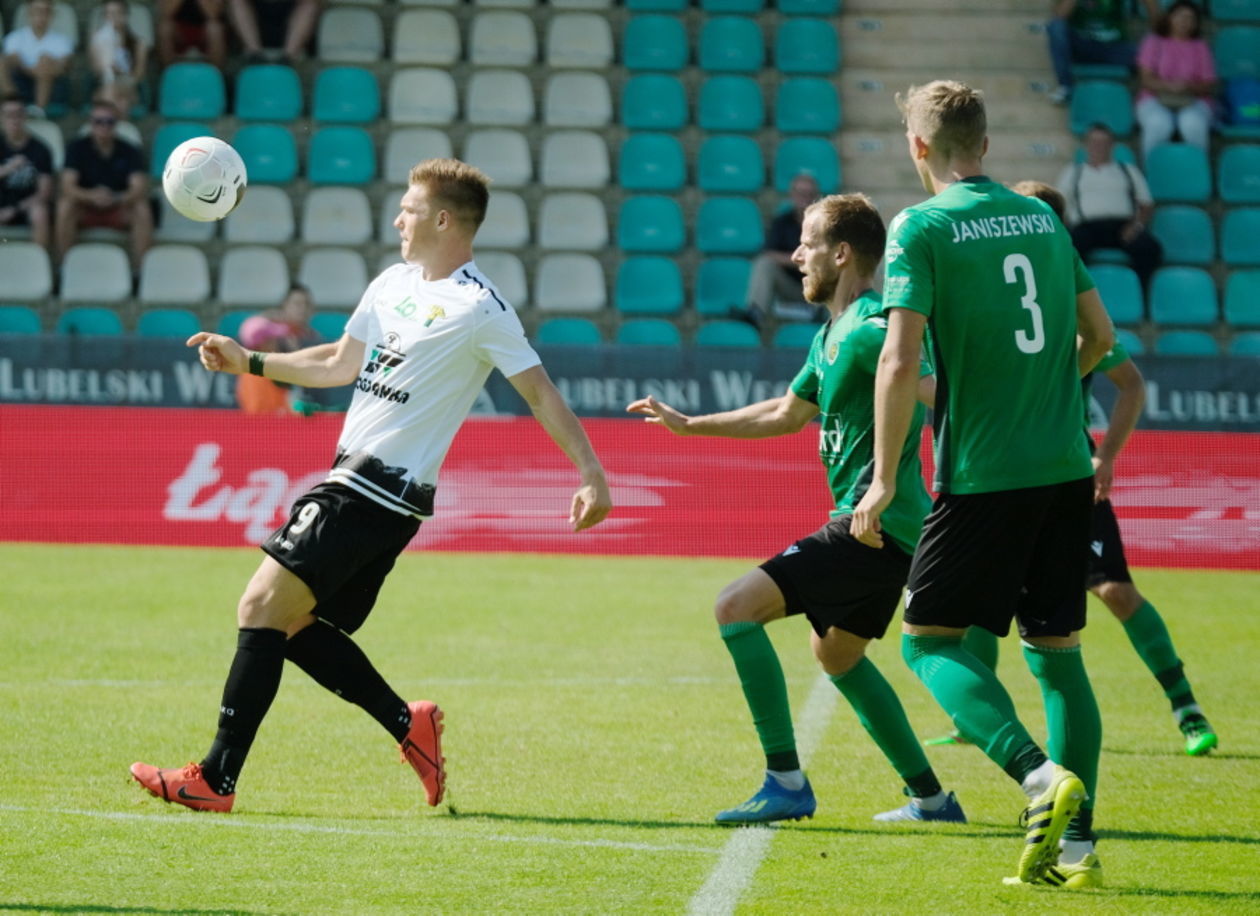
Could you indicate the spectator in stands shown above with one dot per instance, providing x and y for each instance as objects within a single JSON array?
[
  {"x": 774, "y": 286},
  {"x": 104, "y": 184},
  {"x": 286, "y": 24},
  {"x": 1090, "y": 32},
  {"x": 1178, "y": 79},
  {"x": 191, "y": 25},
  {"x": 25, "y": 173},
  {"x": 119, "y": 57},
  {"x": 36, "y": 57},
  {"x": 1109, "y": 204},
  {"x": 280, "y": 330}
]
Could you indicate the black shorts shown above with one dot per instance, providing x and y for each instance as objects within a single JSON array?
[
  {"x": 987, "y": 557},
  {"x": 1106, "y": 550},
  {"x": 342, "y": 545},
  {"x": 837, "y": 581}
]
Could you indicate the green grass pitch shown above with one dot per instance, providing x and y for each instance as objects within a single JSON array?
[{"x": 594, "y": 726}]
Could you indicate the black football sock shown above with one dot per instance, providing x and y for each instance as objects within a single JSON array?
[
  {"x": 336, "y": 663},
  {"x": 251, "y": 685}
]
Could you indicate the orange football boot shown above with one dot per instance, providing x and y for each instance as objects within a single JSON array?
[
  {"x": 187, "y": 787},
  {"x": 422, "y": 748}
]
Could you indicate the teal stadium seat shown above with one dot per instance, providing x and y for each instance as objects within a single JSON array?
[
  {"x": 1186, "y": 343},
  {"x": 269, "y": 152},
  {"x": 809, "y": 7},
  {"x": 806, "y": 45},
  {"x": 1242, "y": 299},
  {"x": 89, "y": 321},
  {"x": 1121, "y": 292},
  {"x": 1186, "y": 233},
  {"x": 729, "y": 225},
  {"x": 795, "y": 336},
  {"x": 1240, "y": 237},
  {"x": 1183, "y": 296},
  {"x": 1178, "y": 173},
  {"x": 722, "y": 285},
  {"x": 651, "y": 224},
  {"x": 171, "y": 135},
  {"x": 657, "y": 6},
  {"x": 568, "y": 332},
  {"x": 1237, "y": 51},
  {"x": 330, "y": 325},
  {"x": 649, "y": 332},
  {"x": 175, "y": 323},
  {"x": 652, "y": 162},
  {"x": 346, "y": 95},
  {"x": 1236, "y": 10},
  {"x": 732, "y": 6},
  {"x": 731, "y": 103},
  {"x": 268, "y": 92},
  {"x": 653, "y": 101},
  {"x": 648, "y": 286},
  {"x": 341, "y": 155},
  {"x": 654, "y": 42},
  {"x": 1101, "y": 102},
  {"x": 807, "y": 105},
  {"x": 1238, "y": 171},
  {"x": 191, "y": 90},
  {"x": 230, "y": 322},
  {"x": 1130, "y": 341},
  {"x": 728, "y": 334},
  {"x": 813, "y": 155},
  {"x": 19, "y": 319},
  {"x": 1245, "y": 344},
  {"x": 731, "y": 164},
  {"x": 732, "y": 44}
]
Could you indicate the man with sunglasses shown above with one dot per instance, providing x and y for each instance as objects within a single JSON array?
[
  {"x": 25, "y": 173},
  {"x": 104, "y": 184}
]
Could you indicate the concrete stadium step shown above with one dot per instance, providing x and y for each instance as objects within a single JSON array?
[
  {"x": 941, "y": 7},
  {"x": 970, "y": 41},
  {"x": 1012, "y": 99}
]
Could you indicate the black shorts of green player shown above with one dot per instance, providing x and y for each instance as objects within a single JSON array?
[
  {"x": 835, "y": 581},
  {"x": 1107, "y": 562},
  {"x": 342, "y": 545},
  {"x": 987, "y": 557}
]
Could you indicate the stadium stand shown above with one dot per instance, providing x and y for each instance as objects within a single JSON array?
[
  {"x": 649, "y": 286},
  {"x": 177, "y": 323}
]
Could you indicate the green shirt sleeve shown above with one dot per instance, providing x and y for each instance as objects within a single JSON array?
[
  {"x": 908, "y": 280},
  {"x": 1084, "y": 282},
  {"x": 1113, "y": 357},
  {"x": 805, "y": 385}
]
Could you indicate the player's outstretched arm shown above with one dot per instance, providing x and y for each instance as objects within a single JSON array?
[
  {"x": 1095, "y": 335},
  {"x": 1125, "y": 413},
  {"x": 593, "y": 501},
  {"x": 322, "y": 366},
  {"x": 896, "y": 392},
  {"x": 774, "y": 417}
]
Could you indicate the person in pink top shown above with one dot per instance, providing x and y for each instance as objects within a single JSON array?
[{"x": 1178, "y": 79}]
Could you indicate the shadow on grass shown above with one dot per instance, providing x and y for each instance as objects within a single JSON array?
[
  {"x": 1214, "y": 755},
  {"x": 1154, "y": 893},
  {"x": 101, "y": 908},
  {"x": 1143, "y": 835}
]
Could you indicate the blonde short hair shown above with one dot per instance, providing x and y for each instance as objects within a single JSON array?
[
  {"x": 456, "y": 186},
  {"x": 948, "y": 116},
  {"x": 851, "y": 218}
]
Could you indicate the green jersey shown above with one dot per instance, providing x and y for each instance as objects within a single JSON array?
[
  {"x": 997, "y": 277},
  {"x": 1100, "y": 20},
  {"x": 839, "y": 376},
  {"x": 1112, "y": 358}
]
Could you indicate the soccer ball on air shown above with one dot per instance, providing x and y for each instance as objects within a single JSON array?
[{"x": 204, "y": 179}]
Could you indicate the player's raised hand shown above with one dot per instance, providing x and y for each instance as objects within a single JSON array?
[
  {"x": 219, "y": 353},
  {"x": 654, "y": 411},
  {"x": 591, "y": 505},
  {"x": 1104, "y": 472}
]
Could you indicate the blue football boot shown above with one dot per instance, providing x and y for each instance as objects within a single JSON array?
[
  {"x": 951, "y": 812},
  {"x": 772, "y": 803}
]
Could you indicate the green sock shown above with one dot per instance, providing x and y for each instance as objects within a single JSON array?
[
  {"x": 880, "y": 713},
  {"x": 1072, "y": 719},
  {"x": 983, "y": 645},
  {"x": 971, "y": 693},
  {"x": 765, "y": 690},
  {"x": 1149, "y": 635}
]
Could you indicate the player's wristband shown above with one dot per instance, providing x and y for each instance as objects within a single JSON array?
[{"x": 256, "y": 361}]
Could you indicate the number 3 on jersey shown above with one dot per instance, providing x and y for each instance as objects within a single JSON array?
[{"x": 1013, "y": 267}]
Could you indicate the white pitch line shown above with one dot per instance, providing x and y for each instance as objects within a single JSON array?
[
  {"x": 219, "y": 821},
  {"x": 744, "y": 851}
]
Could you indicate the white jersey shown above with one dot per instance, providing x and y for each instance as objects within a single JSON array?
[{"x": 430, "y": 345}]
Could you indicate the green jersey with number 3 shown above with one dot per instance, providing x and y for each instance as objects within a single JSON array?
[
  {"x": 997, "y": 277},
  {"x": 839, "y": 377}
]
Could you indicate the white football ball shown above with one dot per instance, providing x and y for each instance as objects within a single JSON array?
[{"x": 204, "y": 179}]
